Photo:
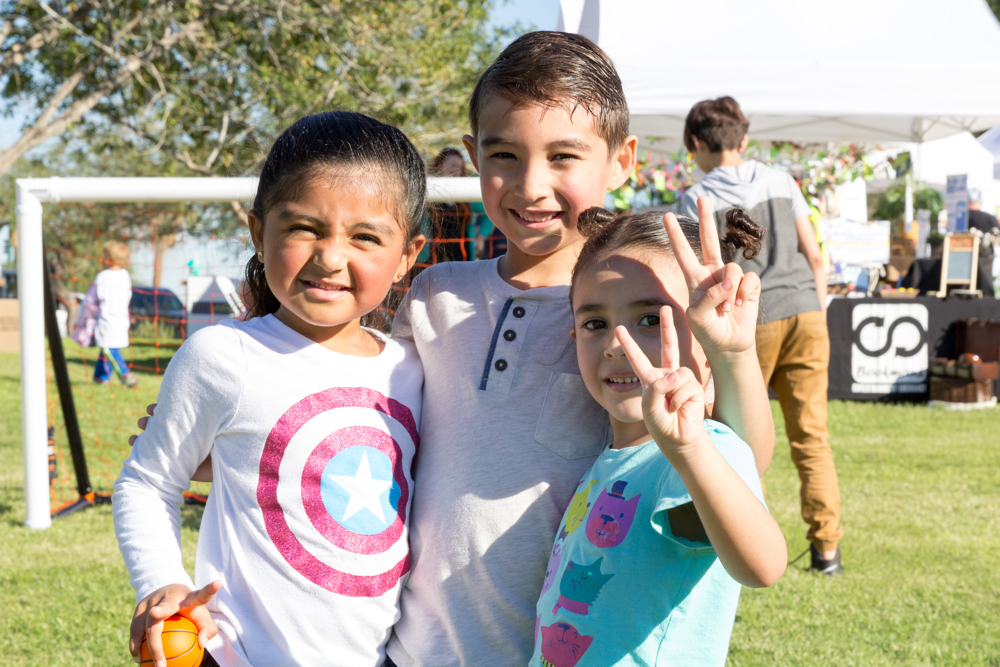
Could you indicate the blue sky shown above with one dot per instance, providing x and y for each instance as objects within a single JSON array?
[{"x": 541, "y": 14}]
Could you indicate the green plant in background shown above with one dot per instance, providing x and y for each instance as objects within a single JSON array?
[
  {"x": 657, "y": 181},
  {"x": 891, "y": 205}
]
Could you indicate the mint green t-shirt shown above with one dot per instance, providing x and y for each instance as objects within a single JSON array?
[{"x": 620, "y": 588}]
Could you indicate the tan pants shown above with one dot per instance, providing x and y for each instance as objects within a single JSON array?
[{"x": 794, "y": 355}]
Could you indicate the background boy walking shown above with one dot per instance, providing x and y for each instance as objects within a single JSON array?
[{"x": 793, "y": 345}]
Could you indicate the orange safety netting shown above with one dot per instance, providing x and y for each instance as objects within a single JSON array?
[{"x": 186, "y": 266}]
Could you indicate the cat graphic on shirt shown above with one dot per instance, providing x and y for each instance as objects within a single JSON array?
[
  {"x": 555, "y": 560},
  {"x": 563, "y": 646},
  {"x": 576, "y": 513},
  {"x": 611, "y": 516},
  {"x": 580, "y": 586}
]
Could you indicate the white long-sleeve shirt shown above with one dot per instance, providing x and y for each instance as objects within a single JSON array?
[
  {"x": 306, "y": 523},
  {"x": 114, "y": 292}
]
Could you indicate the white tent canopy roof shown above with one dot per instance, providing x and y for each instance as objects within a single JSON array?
[{"x": 854, "y": 70}]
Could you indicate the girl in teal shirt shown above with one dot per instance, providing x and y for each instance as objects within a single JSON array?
[{"x": 670, "y": 520}]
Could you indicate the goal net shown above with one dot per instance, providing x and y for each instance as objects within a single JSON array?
[{"x": 187, "y": 243}]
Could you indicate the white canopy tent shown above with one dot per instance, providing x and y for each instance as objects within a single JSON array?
[{"x": 851, "y": 71}]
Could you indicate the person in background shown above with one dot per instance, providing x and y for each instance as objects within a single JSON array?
[
  {"x": 793, "y": 345},
  {"x": 108, "y": 298},
  {"x": 490, "y": 241},
  {"x": 482, "y": 239},
  {"x": 984, "y": 222},
  {"x": 451, "y": 230}
]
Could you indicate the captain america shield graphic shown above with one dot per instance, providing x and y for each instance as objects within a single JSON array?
[{"x": 333, "y": 491}]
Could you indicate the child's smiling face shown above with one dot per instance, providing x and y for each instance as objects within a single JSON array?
[
  {"x": 540, "y": 167},
  {"x": 332, "y": 254},
  {"x": 628, "y": 289}
]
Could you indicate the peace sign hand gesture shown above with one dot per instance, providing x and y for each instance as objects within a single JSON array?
[
  {"x": 724, "y": 301},
  {"x": 673, "y": 401}
]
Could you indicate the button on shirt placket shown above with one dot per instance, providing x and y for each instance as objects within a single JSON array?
[{"x": 509, "y": 336}]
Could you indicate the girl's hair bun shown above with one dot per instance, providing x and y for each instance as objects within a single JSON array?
[
  {"x": 593, "y": 220},
  {"x": 743, "y": 232}
]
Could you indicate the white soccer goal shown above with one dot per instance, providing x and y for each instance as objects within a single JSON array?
[{"x": 31, "y": 194}]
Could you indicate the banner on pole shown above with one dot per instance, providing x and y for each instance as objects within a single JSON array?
[{"x": 957, "y": 201}]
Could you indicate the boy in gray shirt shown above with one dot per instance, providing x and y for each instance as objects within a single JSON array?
[
  {"x": 793, "y": 344},
  {"x": 508, "y": 426}
]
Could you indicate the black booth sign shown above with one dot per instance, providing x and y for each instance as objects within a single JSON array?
[
  {"x": 881, "y": 348},
  {"x": 889, "y": 348}
]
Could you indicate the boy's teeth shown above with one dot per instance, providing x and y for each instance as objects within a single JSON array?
[
  {"x": 537, "y": 217},
  {"x": 624, "y": 380}
]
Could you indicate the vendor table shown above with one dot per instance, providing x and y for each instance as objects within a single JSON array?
[
  {"x": 925, "y": 275},
  {"x": 880, "y": 347}
]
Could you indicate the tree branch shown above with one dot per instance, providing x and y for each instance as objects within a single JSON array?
[
  {"x": 16, "y": 54},
  {"x": 222, "y": 140},
  {"x": 47, "y": 126}
]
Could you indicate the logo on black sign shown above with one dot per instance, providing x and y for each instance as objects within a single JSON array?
[
  {"x": 901, "y": 351},
  {"x": 889, "y": 351}
]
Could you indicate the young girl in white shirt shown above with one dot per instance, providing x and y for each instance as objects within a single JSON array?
[{"x": 309, "y": 416}]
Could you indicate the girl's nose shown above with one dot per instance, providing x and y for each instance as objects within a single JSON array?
[
  {"x": 330, "y": 255},
  {"x": 614, "y": 349}
]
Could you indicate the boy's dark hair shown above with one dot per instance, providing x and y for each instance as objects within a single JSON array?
[
  {"x": 557, "y": 69},
  {"x": 335, "y": 141},
  {"x": 607, "y": 234},
  {"x": 719, "y": 124}
]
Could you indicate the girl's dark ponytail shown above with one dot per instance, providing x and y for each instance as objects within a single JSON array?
[
  {"x": 261, "y": 300},
  {"x": 593, "y": 220},
  {"x": 742, "y": 233}
]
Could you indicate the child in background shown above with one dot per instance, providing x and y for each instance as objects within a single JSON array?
[
  {"x": 107, "y": 304},
  {"x": 508, "y": 426},
  {"x": 670, "y": 520},
  {"x": 309, "y": 416},
  {"x": 793, "y": 343},
  {"x": 451, "y": 230}
]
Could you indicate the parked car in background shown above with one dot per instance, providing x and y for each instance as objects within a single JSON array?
[{"x": 161, "y": 308}]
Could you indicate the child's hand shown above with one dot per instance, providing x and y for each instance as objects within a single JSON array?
[
  {"x": 142, "y": 424},
  {"x": 673, "y": 401},
  {"x": 163, "y": 603},
  {"x": 723, "y": 302}
]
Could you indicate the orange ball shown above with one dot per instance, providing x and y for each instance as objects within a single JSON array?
[{"x": 180, "y": 644}]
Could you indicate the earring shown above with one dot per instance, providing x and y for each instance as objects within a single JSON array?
[{"x": 260, "y": 255}]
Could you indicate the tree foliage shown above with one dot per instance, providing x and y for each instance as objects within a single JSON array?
[
  {"x": 208, "y": 83},
  {"x": 891, "y": 205}
]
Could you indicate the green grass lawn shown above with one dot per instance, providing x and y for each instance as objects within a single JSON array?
[{"x": 921, "y": 508}]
